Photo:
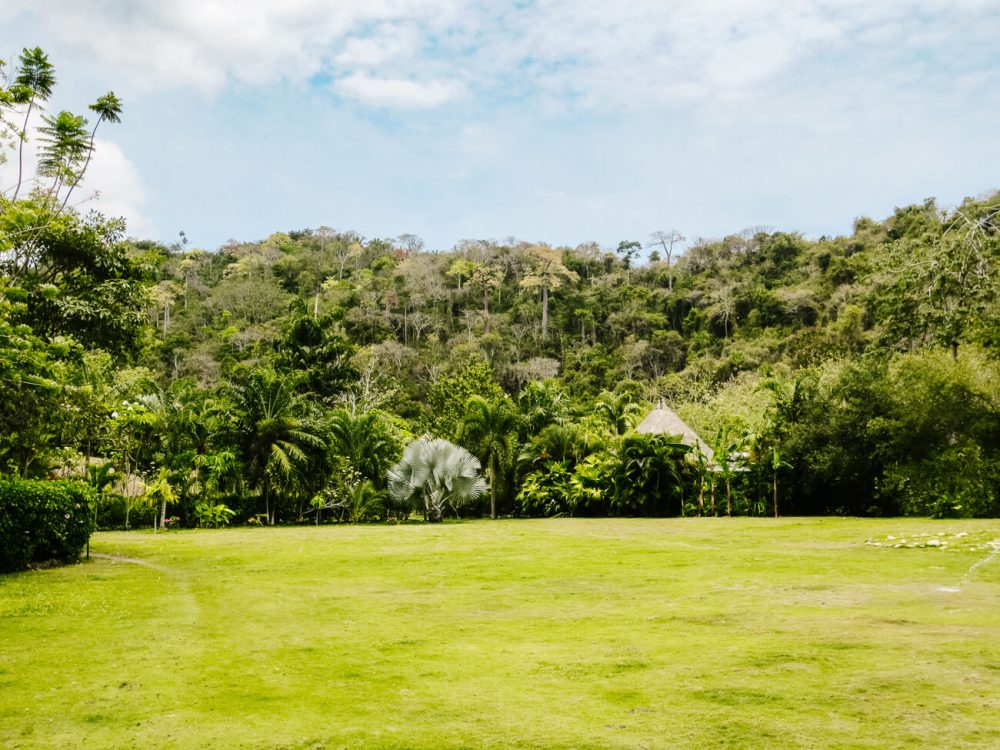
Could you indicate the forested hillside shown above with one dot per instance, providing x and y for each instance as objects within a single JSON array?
[{"x": 281, "y": 379}]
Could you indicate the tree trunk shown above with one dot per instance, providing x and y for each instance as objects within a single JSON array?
[
  {"x": 711, "y": 505},
  {"x": 545, "y": 311},
  {"x": 20, "y": 149},
  {"x": 701, "y": 497},
  {"x": 774, "y": 486},
  {"x": 493, "y": 493},
  {"x": 163, "y": 513},
  {"x": 729, "y": 504}
]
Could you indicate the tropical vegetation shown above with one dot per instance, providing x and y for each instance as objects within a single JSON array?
[{"x": 319, "y": 376}]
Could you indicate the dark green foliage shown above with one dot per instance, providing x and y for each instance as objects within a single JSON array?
[
  {"x": 450, "y": 394},
  {"x": 42, "y": 521},
  {"x": 918, "y": 434},
  {"x": 322, "y": 356},
  {"x": 275, "y": 439},
  {"x": 77, "y": 276},
  {"x": 369, "y": 443},
  {"x": 651, "y": 476},
  {"x": 633, "y": 475},
  {"x": 489, "y": 430}
]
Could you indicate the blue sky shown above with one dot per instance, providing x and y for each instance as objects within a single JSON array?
[{"x": 547, "y": 120}]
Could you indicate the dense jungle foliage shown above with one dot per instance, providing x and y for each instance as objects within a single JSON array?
[{"x": 280, "y": 380}]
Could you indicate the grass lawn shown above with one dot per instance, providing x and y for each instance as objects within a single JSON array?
[{"x": 567, "y": 633}]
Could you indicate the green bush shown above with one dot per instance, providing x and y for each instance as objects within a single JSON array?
[
  {"x": 212, "y": 515},
  {"x": 42, "y": 521}
]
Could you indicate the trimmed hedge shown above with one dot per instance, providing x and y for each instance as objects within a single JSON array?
[{"x": 42, "y": 521}]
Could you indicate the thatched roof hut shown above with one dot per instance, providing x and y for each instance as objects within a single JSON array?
[{"x": 663, "y": 421}]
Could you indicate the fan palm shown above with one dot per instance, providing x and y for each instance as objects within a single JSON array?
[{"x": 436, "y": 473}]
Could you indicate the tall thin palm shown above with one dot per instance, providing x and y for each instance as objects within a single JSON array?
[
  {"x": 33, "y": 83},
  {"x": 271, "y": 432},
  {"x": 489, "y": 430},
  {"x": 108, "y": 108}
]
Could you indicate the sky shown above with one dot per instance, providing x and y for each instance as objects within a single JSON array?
[{"x": 563, "y": 121}]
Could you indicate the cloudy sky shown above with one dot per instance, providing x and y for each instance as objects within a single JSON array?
[{"x": 556, "y": 120}]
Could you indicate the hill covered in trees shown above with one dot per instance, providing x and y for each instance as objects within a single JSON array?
[{"x": 852, "y": 374}]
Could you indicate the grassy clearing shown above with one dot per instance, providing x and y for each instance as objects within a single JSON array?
[{"x": 562, "y": 633}]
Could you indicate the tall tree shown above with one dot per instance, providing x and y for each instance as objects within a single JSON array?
[
  {"x": 548, "y": 274},
  {"x": 489, "y": 430},
  {"x": 629, "y": 250},
  {"x": 270, "y": 428},
  {"x": 108, "y": 108},
  {"x": 667, "y": 241},
  {"x": 32, "y": 84},
  {"x": 937, "y": 286}
]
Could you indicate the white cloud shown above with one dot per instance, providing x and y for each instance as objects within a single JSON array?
[
  {"x": 398, "y": 92},
  {"x": 112, "y": 185},
  {"x": 204, "y": 43},
  {"x": 389, "y": 42},
  {"x": 587, "y": 53}
]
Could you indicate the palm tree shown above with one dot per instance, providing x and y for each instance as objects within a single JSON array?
[
  {"x": 436, "y": 473},
  {"x": 618, "y": 410},
  {"x": 651, "y": 475},
  {"x": 33, "y": 83},
  {"x": 567, "y": 443},
  {"x": 542, "y": 402},
  {"x": 272, "y": 435},
  {"x": 489, "y": 428},
  {"x": 107, "y": 107},
  {"x": 723, "y": 449},
  {"x": 367, "y": 441},
  {"x": 64, "y": 147}
]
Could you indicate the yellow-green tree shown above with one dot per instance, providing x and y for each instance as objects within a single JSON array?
[{"x": 548, "y": 273}]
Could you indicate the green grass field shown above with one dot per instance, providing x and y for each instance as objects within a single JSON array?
[{"x": 563, "y": 633}]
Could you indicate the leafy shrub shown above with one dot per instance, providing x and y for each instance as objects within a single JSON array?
[
  {"x": 41, "y": 521},
  {"x": 546, "y": 492},
  {"x": 213, "y": 516}
]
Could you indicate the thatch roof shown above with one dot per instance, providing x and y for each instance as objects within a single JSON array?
[{"x": 663, "y": 421}]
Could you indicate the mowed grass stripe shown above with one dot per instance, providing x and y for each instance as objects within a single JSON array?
[{"x": 559, "y": 633}]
